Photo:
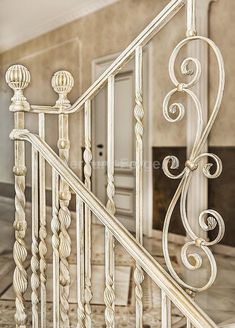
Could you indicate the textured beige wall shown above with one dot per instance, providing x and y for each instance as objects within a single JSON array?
[
  {"x": 74, "y": 47},
  {"x": 222, "y": 31}
]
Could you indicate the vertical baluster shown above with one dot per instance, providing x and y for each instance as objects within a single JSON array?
[
  {"x": 62, "y": 82},
  {"x": 18, "y": 78},
  {"x": 139, "y": 114},
  {"x": 166, "y": 311},
  {"x": 88, "y": 232},
  {"x": 191, "y": 18},
  {"x": 109, "y": 294},
  {"x": 80, "y": 262},
  {"x": 43, "y": 229},
  {"x": 65, "y": 221},
  {"x": 55, "y": 227},
  {"x": 189, "y": 325},
  {"x": 35, "y": 251},
  {"x": 20, "y": 225}
]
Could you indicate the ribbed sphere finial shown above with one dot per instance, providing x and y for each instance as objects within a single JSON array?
[
  {"x": 62, "y": 82},
  {"x": 17, "y": 77}
]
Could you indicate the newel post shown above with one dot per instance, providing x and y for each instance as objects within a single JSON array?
[
  {"x": 62, "y": 83},
  {"x": 18, "y": 78}
]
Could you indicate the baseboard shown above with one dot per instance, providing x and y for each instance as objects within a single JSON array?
[
  {"x": 7, "y": 200},
  {"x": 172, "y": 237},
  {"x": 224, "y": 250}
]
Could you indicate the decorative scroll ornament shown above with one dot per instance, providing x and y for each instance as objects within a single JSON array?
[{"x": 208, "y": 219}]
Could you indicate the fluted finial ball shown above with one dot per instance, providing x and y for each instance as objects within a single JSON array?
[
  {"x": 17, "y": 77},
  {"x": 62, "y": 82}
]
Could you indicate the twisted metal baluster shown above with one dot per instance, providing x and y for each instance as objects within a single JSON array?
[
  {"x": 65, "y": 251},
  {"x": 35, "y": 259},
  {"x": 62, "y": 82},
  {"x": 43, "y": 229},
  {"x": 109, "y": 293},
  {"x": 80, "y": 263},
  {"x": 55, "y": 227},
  {"x": 139, "y": 129},
  {"x": 88, "y": 233},
  {"x": 19, "y": 249},
  {"x": 18, "y": 78}
]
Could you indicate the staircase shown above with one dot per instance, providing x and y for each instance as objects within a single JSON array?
[{"x": 175, "y": 292}]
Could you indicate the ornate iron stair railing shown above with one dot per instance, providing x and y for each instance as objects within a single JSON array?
[
  {"x": 63, "y": 179},
  {"x": 168, "y": 286}
]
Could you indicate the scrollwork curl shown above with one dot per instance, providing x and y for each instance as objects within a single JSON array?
[
  {"x": 208, "y": 166},
  {"x": 173, "y": 163},
  {"x": 208, "y": 219},
  {"x": 176, "y": 108}
]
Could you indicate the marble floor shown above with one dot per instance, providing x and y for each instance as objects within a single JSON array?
[{"x": 218, "y": 302}]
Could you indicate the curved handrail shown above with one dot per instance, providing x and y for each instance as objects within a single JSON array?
[
  {"x": 152, "y": 28},
  {"x": 175, "y": 293}
]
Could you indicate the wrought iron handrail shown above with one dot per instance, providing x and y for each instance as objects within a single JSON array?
[
  {"x": 198, "y": 318},
  {"x": 152, "y": 28},
  {"x": 18, "y": 78}
]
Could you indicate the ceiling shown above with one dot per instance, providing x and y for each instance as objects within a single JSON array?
[{"x": 22, "y": 20}]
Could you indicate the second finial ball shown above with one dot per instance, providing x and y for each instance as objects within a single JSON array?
[{"x": 62, "y": 82}]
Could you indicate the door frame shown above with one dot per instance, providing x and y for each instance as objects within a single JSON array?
[{"x": 148, "y": 180}]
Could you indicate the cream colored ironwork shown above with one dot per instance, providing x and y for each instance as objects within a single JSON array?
[
  {"x": 155, "y": 271},
  {"x": 35, "y": 282},
  {"x": 62, "y": 82},
  {"x": 208, "y": 219},
  {"x": 166, "y": 310},
  {"x": 64, "y": 180},
  {"x": 142, "y": 39},
  {"x": 43, "y": 223},
  {"x": 55, "y": 228},
  {"x": 87, "y": 173},
  {"x": 80, "y": 263},
  {"x": 139, "y": 130},
  {"x": 18, "y": 78},
  {"x": 109, "y": 293}
]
